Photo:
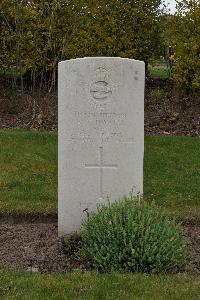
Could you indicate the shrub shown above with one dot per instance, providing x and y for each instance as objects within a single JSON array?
[
  {"x": 133, "y": 236},
  {"x": 71, "y": 244},
  {"x": 158, "y": 95},
  {"x": 181, "y": 32}
]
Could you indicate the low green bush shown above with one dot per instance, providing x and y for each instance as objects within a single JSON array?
[
  {"x": 158, "y": 95},
  {"x": 132, "y": 235},
  {"x": 71, "y": 244}
]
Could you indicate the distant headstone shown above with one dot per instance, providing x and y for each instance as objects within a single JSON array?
[{"x": 101, "y": 135}]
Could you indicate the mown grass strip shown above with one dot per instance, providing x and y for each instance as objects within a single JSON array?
[
  {"x": 77, "y": 285},
  {"x": 159, "y": 72},
  {"x": 172, "y": 174},
  {"x": 28, "y": 173}
]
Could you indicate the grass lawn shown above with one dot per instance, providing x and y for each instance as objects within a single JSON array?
[
  {"x": 28, "y": 181},
  {"x": 172, "y": 174},
  {"x": 21, "y": 285},
  {"x": 28, "y": 173},
  {"x": 159, "y": 72}
]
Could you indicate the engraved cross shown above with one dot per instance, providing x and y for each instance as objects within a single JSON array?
[{"x": 101, "y": 166}]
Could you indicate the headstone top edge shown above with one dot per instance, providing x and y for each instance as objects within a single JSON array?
[{"x": 103, "y": 58}]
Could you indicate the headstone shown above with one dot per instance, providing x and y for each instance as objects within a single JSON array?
[{"x": 101, "y": 135}]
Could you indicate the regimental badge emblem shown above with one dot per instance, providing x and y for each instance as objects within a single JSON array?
[{"x": 100, "y": 88}]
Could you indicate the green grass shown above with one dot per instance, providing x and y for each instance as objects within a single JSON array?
[
  {"x": 21, "y": 285},
  {"x": 159, "y": 72},
  {"x": 28, "y": 173},
  {"x": 172, "y": 174},
  {"x": 28, "y": 184},
  {"x": 12, "y": 72}
]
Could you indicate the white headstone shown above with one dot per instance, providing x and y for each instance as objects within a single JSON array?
[{"x": 101, "y": 134}]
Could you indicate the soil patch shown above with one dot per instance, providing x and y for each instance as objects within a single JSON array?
[
  {"x": 172, "y": 119},
  {"x": 165, "y": 118},
  {"x": 166, "y": 111},
  {"x": 35, "y": 247},
  {"x": 192, "y": 234},
  {"x": 28, "y": 218}
]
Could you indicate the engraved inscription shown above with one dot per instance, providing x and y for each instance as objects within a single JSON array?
[
  {"x": 100, "y": 88},
  {"x": 136, "y": 75},
  {"x": 101, "y": 126},
  {"x": 101, "y": 117},
  {"x": 84, "y": 206},
  {"x": 101, "y": 166}
]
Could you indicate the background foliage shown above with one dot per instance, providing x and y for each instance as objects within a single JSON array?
[
  {"x": 35, "y": 35},
  {"x": 182, "y": 32}
]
